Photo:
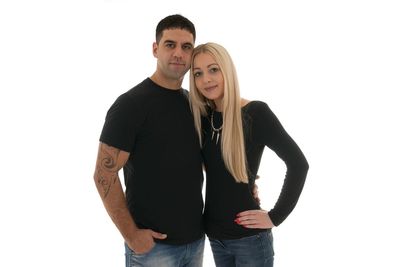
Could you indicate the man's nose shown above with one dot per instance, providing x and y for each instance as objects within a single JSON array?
[{"x": 178, "y": 52}]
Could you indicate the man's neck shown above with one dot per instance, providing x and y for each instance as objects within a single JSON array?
[{"x": 166, "y": 83}]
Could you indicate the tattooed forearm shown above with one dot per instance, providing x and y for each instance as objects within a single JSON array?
[
  {"x": 107, "y": 168},
  {"x": 105, "y": 181}
]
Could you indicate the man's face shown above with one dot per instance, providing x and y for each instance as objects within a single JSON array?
[{"x": 174, "y": 52}]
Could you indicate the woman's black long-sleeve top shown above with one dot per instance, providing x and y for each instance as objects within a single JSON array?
[{"x": 225, "y": 198}]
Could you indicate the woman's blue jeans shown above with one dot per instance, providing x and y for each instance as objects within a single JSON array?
[{"x": 252, "y": 251}]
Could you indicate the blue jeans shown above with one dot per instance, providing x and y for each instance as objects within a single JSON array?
[
  {"x": 163, "y": 255},
  {"x": 252, "y": 251}
]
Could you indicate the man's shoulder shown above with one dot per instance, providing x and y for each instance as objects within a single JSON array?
[
  {"x": 136, "y": 94},
  {"x": 185, "y": 92},
  {"x": 132, "y": 98},
  {"x": 140, "y": 88}
]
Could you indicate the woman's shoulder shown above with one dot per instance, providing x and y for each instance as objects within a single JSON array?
[{"x": 254, "y": 105}]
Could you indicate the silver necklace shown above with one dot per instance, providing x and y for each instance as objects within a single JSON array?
[{"x": 215, "y": 131}]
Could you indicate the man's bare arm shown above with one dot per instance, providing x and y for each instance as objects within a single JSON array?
[{"x": 109, "y": 161}]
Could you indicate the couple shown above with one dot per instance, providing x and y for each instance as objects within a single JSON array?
[{"x": 162, "y": 137}]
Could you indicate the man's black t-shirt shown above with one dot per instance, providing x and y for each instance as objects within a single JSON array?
[{"x": 163, "y": 175}]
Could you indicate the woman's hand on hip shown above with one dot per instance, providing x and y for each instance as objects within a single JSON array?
[{"x": 254, "y": 219}]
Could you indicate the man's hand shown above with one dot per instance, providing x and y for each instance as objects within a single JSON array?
[
  {"x": 143, "y": 240},
  {"x": 254, "y": 219},
  {"x": 255, "y": 194}
]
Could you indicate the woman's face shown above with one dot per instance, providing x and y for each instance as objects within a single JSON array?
[{"x": 208, "y": 77}]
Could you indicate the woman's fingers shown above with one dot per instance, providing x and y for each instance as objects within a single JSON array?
[{"x": 254, "y": 219}]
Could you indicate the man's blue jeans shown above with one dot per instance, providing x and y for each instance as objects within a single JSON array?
[
  {"x": 252, "y": 251},
  {"x": 163, "y": 255}
]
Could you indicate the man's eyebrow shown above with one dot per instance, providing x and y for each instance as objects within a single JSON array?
[
  {"x": 174, "y": 42},
  {"x": 169, "y": 41}
]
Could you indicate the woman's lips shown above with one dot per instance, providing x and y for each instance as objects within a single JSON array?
[{"x": 210, "y": 88}]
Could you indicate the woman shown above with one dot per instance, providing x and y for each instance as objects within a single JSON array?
[{"x": 233, "y": 133}]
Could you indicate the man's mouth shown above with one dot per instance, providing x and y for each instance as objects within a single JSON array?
[{"x": 177, "y": 64}]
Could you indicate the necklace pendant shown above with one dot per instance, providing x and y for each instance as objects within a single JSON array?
[{"x": 215, "y": 130}]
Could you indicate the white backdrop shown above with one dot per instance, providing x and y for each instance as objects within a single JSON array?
[{"x": 328, "y": 69}]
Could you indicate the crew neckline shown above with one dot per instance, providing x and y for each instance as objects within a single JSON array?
[{"x": 165, "y": 89}]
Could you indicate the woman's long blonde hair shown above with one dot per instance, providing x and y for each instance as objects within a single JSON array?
[{"x": 232, "y": 140}]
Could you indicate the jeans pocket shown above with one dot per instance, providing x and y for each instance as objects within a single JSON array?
[
  {"x": 135, "y": 254},
  {"x": 270, "y": 237},
  {"x": 267, "y": 241}
]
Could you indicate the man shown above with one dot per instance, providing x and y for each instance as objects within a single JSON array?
[{"x": 149, "y": 132}]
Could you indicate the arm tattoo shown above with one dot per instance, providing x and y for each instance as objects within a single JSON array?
[
  {"x": 107, "y": 169},
  {"x": 105, "y": 180}
]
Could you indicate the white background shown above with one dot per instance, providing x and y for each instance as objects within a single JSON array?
[{"x": 328, "y": 69}]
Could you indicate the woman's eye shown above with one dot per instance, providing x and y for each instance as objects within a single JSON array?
[{"x": 214, "y": 69}]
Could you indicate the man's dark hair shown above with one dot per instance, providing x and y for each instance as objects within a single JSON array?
[{"x": 174, "y": 22}]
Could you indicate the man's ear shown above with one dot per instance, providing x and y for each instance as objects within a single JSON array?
[{"x": 155, "y": 49}]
